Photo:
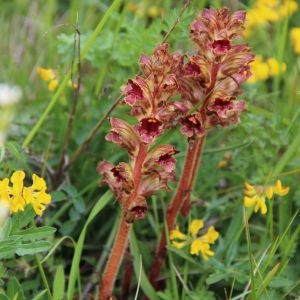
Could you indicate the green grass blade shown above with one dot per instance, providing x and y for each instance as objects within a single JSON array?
[
  {"x": 262, "y": 289},
  {"x": 287, "y": 156},
  {"x": 40, "y": 295},
  {"x": 56, "y": 245},
  {"x": 285, "y": 206},
  {"x": 59, "y": 283},
  {"x": 101, "y": 203},
  {"x": 145, "y": 284},
  {"x": 52, "y": 103},
  {"x": 248, "y": 238}
]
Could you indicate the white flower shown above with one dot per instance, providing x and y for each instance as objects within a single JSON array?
[{"x": 9, "y": 94}]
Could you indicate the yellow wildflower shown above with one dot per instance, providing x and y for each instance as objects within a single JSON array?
[
  {"x": 36, "y": 194},
  {"x": 11, "y": 196},
  {"x": 279, "y": 190},
  {"x": 255, "y": 195},
  {"x": 275, "y": 67},
  {"x": 4, "y": 194},
  {"x": 288, "y": 7},
  {"x": 145, "y": 8},
  {"x": 46, "y": 74},
  {"x": 264, "y": 12},
  {"x": 195, "y": 226},
  {"x": 16, "y": 197},
  {"x": 154, "y": 11},
  {"x": 49, "y": 76},
  {"x": 17, "y": 200},
  {"x": 225, "y": 161},
  {"x": 179, "y": 239},
  {"x": 295, "y": 37},
  {"x": 259, "y": 70},
  {"x": 52, "y": 85},
  {"x": 202, "y": 244},
  {"x": 262, "y": 70},
  {"x": 197, "y": 244}
]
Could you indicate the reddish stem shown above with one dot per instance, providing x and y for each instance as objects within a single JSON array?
[
  {"x": 121, "y": 238},
  {"x": 182, "y": 195},
  {"x": 114, "y": 261},
  {"x": 193, "y": 173},
  {"x": 128, "y": 271}
]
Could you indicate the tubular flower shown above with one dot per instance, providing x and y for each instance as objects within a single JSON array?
[
  {"x": 255, "y": 195},
  {"x": 149, "y": 96},
  {"x": 49, "y": 76},
  {"x": 198, "y": 244},
  {"x": 192, "y": 126},
  {"x": 214, "y": 30},
  {"x": 119, "y": 178},
  {"x": 125, "y": 135},
  {"x": 17, "y": 196},
  {"x": 211, "y": 79},
  {"x": 198, "y": 92}
]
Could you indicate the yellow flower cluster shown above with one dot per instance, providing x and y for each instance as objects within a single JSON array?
[
  {"x": 255, "y": 195},
  {"x": 49, "y": 76},
  {"x": 295, "y": 37},
  {"x": 16, "y": 196},
  {"x": 148, "y": 8},
  {"x": 265, "y": 11},
  {"x": 197, "y": 244},
  {"x": 264, "y": 69}
]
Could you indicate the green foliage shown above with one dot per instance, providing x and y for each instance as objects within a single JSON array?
[
  {"x": 255, "y": 256},
  {"x": 16, "y": 240},
  {"x": 59, "y": 283}
]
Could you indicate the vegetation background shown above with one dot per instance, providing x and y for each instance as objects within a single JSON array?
[{"x": 265, "y": 146}]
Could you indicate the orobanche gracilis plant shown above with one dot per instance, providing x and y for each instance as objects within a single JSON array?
[{"x": 196, "y": 92}]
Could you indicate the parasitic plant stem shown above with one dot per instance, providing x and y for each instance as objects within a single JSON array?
[
  {"x": 199, "y": 92},
  {"x": 115, "y": 259},
  {"x": 181, "y": 197},
  {"x": 121, "y": 239}
]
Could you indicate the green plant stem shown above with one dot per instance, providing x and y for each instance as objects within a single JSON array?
[
  {"x": 43, "y": 275},
  {"x": 181, "y": 197},
  {"x": 41, "y": 270},
  {"x": 74, "y": 272},
  {"x": 252, "y": 272},
  {"x": 183, "y": 9},
  {"x": 74, "y": 105}
]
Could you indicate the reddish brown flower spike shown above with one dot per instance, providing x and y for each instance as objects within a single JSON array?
[
  {"x": 133, "y": 93},
  {"x": 221, "y": 46},
  {"x": 192, "y": 126},
  {"x": 123, "y": 134},
  {"x": 149, "y": 128}
]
